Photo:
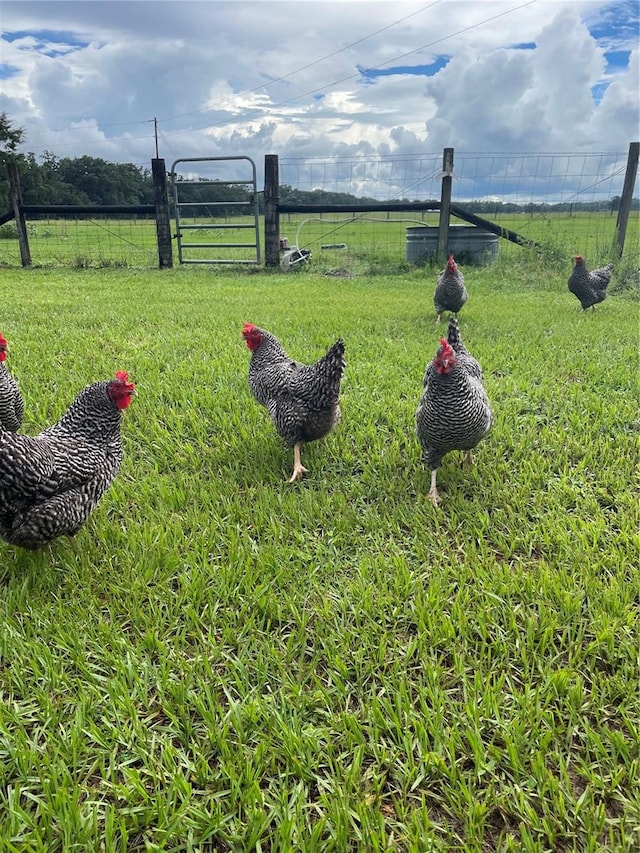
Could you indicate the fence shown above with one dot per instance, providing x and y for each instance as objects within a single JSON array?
[
  {"x": 102, "y": 218},
  {"x": 342, "y": 208},
  {"x": 575, "y": 203}
]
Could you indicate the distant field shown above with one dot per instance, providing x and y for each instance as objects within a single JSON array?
[
  {"x": 368, "y": 239},
  {"x": 221, "y": 662}
]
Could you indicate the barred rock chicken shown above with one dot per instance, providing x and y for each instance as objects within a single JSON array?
[
  {"x": 302, "y": 400},
  {"x": 450, "y": 293},
  {"x": 454, "y": 412},
  {"x": 11, "y": 402},
  {"x": 589, "y": 287},
  {"x": 51, "y": 482}
]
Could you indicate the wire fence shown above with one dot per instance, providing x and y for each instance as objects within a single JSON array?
[
  {"x": 82, "y": 243},
  {"x": 565, "y": 201},
  {"x": 520, "y": 179}
]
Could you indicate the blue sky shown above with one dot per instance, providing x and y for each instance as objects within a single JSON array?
[{"x": 360, "y": 79}]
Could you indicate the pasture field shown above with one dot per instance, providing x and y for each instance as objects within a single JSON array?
[
  {"x": 369, "y": 241},
  {"x": 221, "y": 661}
]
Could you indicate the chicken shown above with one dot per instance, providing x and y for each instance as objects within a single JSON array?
[
  {"x": 454, "y": 412},
  {"x": 454, "y": 339},
  {"x": 51, "y": 482},
  {"x": 302, "y": 400},
  {"x": 11, "y": 402},
  {"x": 589, "y": 287},
  {"x": 450, "y": 293}
]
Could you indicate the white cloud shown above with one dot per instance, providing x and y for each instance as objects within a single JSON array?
[
  {"x": 240, "y": 77},
  {"x": 616, "y": 121},
  {"x": 526, "y": 100}
]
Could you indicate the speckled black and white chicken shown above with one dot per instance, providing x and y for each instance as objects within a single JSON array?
[
  {"x": 11, "y": 402},
  {"x": 303, "y": 400},
  {"x": 51, "y": 482},
  {"x": 450, "y": 293},
  {"x": 589, "y": 287},
  {"x": 454, "y": 411}
]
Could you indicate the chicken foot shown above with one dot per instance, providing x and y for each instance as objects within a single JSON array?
[
  {"x": 298, "y": 467},
  {"x": 433, "y": 495}
]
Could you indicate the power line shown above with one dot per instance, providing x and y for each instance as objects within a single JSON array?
[
  {"x": 308, "y": 65},
  {"x": 373, "y": 68},
  {"x": 257, "y": 111},
  {"x": 256, "y": 88},
  {"x": 262, "y": 86}
]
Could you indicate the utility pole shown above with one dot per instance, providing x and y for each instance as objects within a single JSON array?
[{"x": 155, "y": 133}]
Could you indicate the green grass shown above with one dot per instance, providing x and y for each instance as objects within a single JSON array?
[
  {"x": 372, "y": 241},
  {"x": 382, "y": 234},
  {"x": 220, "y": 661}
]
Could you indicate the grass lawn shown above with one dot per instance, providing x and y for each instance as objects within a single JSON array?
[
  {"x": 367, "y": 241},
  {"x": 221, "y": 661}
]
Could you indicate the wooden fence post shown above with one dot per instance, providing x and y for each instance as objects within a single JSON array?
[
  {"x": 271, "y": 213},
  {"x": 163, "y": 221},
  {"x": 18, "y": 213},
  {"x": 627, "y": 196},
  {"x": 445, "y": 204}
]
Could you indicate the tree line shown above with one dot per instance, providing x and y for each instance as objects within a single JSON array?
[{"x": 91, "y": 180}]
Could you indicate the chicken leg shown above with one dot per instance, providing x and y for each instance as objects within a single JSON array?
[
  {"x": 298, "y": 467},
  {"x": 433, "y": 495}
]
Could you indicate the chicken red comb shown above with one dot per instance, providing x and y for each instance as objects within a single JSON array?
[
  {"x": 248, "y": 327},
  {"x": 123, "y": 376},
  {"x": 446, "y": 347},
  {"x": 3, "y": 340}
]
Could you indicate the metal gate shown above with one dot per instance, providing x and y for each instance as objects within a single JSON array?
[{"x": 197, "y": 219}]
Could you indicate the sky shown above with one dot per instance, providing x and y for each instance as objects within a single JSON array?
[{"x": 323, "y": 82}]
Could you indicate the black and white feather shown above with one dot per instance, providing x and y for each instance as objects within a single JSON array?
[
  {"x": 454, "y": 339},
  {"x": 450, "y": 293},
  {"x": 590, "y": 288},
  {"x": 51, "y": 482},
  {"x": 454, "y": 411},
  {"x": 303, "y": 400},
  {"x": 11, "y": 401}
]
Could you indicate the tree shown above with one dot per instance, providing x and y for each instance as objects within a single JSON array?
[
  {"x": 101, "y": 182},
  {"x": 10, "y": 137}
]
